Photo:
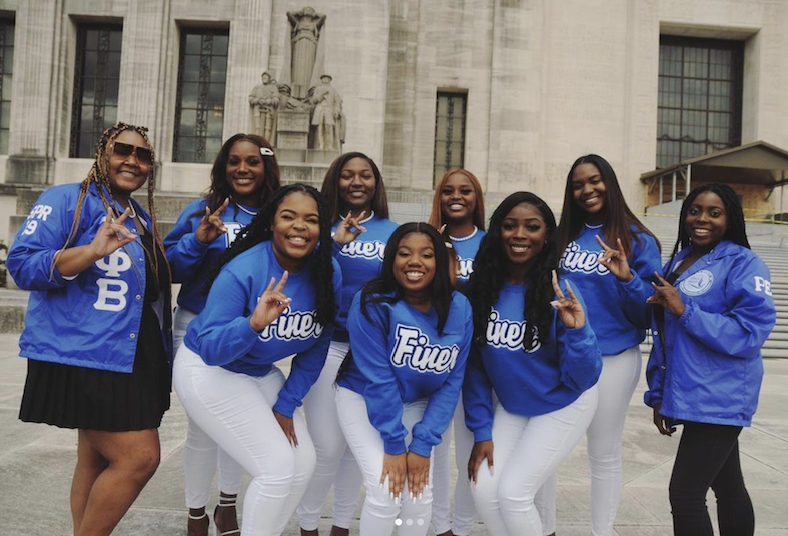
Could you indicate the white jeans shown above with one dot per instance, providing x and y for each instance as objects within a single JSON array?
[
  {"x": 235, "y": 411},
  {"x": 620, "y": 374},
  {"x": 464, "y": 509},
  {"x": 200, "y": 453},
  {"x": 335, "y": 462},
  {"x": 380, "y": 512},
  {"x": 527, "y": 450}
]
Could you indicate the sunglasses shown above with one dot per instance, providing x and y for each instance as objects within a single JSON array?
[{"x": 143, "y": 154}]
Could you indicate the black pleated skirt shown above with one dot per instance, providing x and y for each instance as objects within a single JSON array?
[{"x": 78, "y": 397}]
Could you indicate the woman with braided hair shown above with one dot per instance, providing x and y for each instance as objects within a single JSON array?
[
  {"x": 273, "y": 297},
  {"x": 97, "y": 332}
]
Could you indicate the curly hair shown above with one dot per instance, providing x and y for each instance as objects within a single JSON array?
[
  {"x": 99, "y": 176},
  {"x": 330, "y": 188},
  {"x": 321, "y": 260},
  {"x": 377, "y": 289},
  {"x": 437, "y": 218},
  {"x": 736, "y": 231},
  {"x": 491, "y": 266},
  {"x": 220, "y": 189},
  {"x": 618, "y": 218}
]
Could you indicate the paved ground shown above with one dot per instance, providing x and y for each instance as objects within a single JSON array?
[{"x": 36, "y": 462}]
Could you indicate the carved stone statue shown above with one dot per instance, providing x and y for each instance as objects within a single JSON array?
[
  {"x": 264, "y": 100},
  {"x": 327, "y": 119},
  {"x": 304, "y": 36},
  {"x": 288, "y": 102}
]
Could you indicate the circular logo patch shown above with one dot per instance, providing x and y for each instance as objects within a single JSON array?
[{"x": 698, "y": 283}]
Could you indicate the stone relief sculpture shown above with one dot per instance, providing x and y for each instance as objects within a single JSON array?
[
  {"x": 264, "y": 100},
  {"x": 327, "y": 118},
  {"x": 304, "y": 37}
]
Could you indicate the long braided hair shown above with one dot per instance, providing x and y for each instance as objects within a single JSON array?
[
  {"x": 490, "y": 269},
  {"x": 322, "y": 268},
  {"x": 99, "y": 176}
]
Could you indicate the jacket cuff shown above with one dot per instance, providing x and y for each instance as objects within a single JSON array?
[
  {"x": 284, "y": 407},
  {"x": 482, "y": 434},
  {"x": 689, "y": 310},
  {"x": 420, "y": 447},
  {"x": 394, "y": 447},
  {"x": 194, "y": 245}
]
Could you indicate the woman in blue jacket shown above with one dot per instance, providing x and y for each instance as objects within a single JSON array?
[
  {"x": 542, "y": 363},
  {"x": 409, "y": 336},
  {"x": 97, "y": 332},
  {"x": 356, "y": 198},
  {"x": 273, "y": 298},
  {"x": 458, "y": 204},
  {"x": 244, "y": 176},
  {"x": 611, "y": 258},
  {"x": 713, "y": 310}
]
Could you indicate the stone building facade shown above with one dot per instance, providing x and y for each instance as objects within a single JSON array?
[{"x": 539, "y": 82}]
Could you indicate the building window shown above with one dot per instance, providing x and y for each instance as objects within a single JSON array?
[
  {"x": 96, "y": 81},
  {"x": 449, "y": 133},
  {"x": 6, "y": 74},
  {"x": 700, "y": 97},
  {"x": 199, "y": 112}
]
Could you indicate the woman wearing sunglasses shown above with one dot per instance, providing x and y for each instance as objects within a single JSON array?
[
  {"x": 97, "y": 334},
  {"x": 244, "y": 175}
]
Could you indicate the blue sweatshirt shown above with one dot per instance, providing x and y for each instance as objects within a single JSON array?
[
  {"x": 399, "y": 357},
  {"x": 466, "y": 251},
  {"x": 620, "y": 312},
  {"x": 549, "y": 377},
  {"x": 360, "y": 261},
  {"x": 221, "y": 334},
  {"x": 192, "y": 261}
]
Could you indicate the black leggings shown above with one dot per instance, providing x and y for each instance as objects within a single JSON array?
[{"x": 708, "y": 457}]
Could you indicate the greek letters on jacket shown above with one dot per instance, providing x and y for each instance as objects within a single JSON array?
[{"x": 90, "y": 320}]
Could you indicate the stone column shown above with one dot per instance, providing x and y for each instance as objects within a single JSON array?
[
  {"x": 34, "y": 105},
  {"x": 250, "y": 38},
  {"x": 141, "y": 93}
]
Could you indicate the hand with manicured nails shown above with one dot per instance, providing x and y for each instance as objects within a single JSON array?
[
  {"x": 349, "y": 229},
  {"x": 112, "y": 235},
  {"x": 615, "y": 260},
  {"x": 395, "y": 466},
  {"x": 570, "y": 310},
  {"x": 418, "y": 474},
  {"x": 271, "y": 305},
  {"x": 211, "y": 225},
  {"x": 667, "y": 296},
  {"x": 481, "y": 450}
]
